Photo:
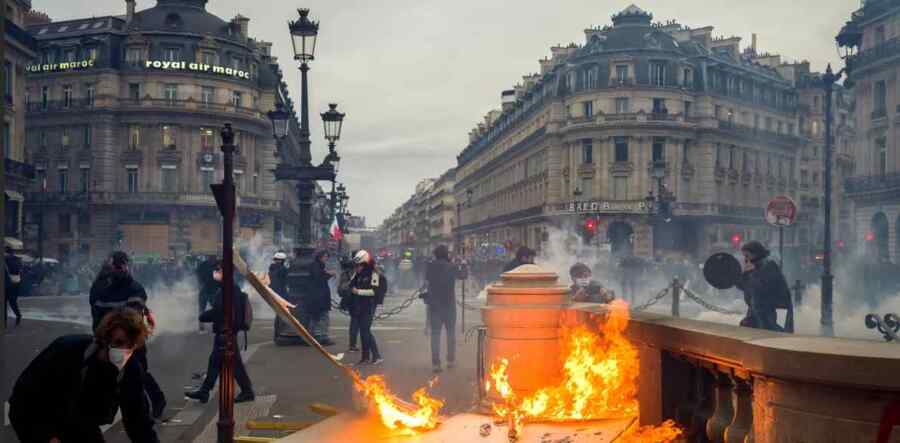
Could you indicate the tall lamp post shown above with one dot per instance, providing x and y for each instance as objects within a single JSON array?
[
  {"x": 848, "y": 40},
  {"x": 460, "y": 251},
  {"x": 332, "y": 122}
]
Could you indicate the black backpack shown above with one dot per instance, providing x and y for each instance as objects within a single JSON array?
[
  {"x": 381, "y": 288},
  {"x": 243, "y": 312}
]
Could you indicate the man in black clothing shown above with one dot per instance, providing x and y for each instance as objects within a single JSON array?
[
  {"x": 369, "y": 288},
  {"x": 208, "y": 287},
  {"x": 77, "y": 384},
  {"x": 441, "y": 278},
  {"x": 278, "y": 274},
  {"x": 524, "y": 256},
  {"x": 12, "y": 282},
  {"x": 216, "y": 316},
  {"x": 765, "y": 290}
]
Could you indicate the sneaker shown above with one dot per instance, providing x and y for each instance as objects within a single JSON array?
[
  {"x": 377, "y": 361},
  {"x": 363, "y": 362},
  {"x": 199, "y": 395},
  {"x": 437, "y": 368},
  {"x": 244, "y": 397},
  {"x": 352, "y": 349}
]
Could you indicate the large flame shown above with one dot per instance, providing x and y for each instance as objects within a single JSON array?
[
  {"x": 599, "y": 381},
  {"x": 397, "y": 414}
]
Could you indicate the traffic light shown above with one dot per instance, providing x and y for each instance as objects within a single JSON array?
[
  {"x": 736, "y": 241},
  {"x": 870, "y": 236},
  {"x": 589, "y": 228}
]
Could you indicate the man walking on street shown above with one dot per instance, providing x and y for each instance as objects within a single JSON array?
[
  {"x": 317, "y": 302},
  {"x": 216, "y": 316},
  {"x": 12, "y": 282},
  {"x": 207, "y": 285},
  {"x": 441, "y": 279}
]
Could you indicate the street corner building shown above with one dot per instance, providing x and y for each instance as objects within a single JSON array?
[
  {"x": 644, "y": 116},
  {"x": 123, "y": 121}
]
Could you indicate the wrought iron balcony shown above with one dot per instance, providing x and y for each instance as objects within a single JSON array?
[
  {"x": 873, "y": 183},
  {"x": 18, "y": 169},
  {"x": 876, "y": 54},
  {"x": 20, "y": 35}
]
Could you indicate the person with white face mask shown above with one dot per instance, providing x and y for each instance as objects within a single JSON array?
[
  {"x": 79, "y": 382},
  {"x": 585, "y": 289}
]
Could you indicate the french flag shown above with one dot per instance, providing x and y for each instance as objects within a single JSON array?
[{"x": 336, "y": 230}]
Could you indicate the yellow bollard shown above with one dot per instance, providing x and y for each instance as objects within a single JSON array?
[
  {"x": 239, "y": 439},
  {"x": 258, "y": 425},
  {"x": 323, "y": 409}
]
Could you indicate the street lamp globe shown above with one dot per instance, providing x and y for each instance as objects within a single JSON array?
[
  {"x": 848, "y": 40},
  {"x": 280, "y": 121},
  {"x": 303, "y": 36},
  {"x": 332, "y": 121}
]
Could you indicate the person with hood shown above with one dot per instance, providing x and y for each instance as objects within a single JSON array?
[
  {"x": 115, "y": 288},
  {"x": 207, "y": 286},
  {"x": 216, "y": 316},
  {"x": 348, "y": 299},
  {"x": 77, "y": 384},
  {"x": 440, "y": 278},
  {"x": 12, "y": 282},
  {"x": 317, "y": 302},
  {"x": 765, "y": 290},
  {"x": 524, "y": 256},
  {"x": 585, "y": 289},
  {"x": 369, "y": 287}
]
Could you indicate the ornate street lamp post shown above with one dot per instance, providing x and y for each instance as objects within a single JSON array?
[
  {"x": 847, "y": 41},
  {"x": 332, "y": 122}
]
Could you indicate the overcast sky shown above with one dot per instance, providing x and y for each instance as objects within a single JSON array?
[{"x": 414, "y": 76}]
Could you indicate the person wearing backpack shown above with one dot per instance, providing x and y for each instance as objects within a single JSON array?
[{"x": 243, "y": 317}]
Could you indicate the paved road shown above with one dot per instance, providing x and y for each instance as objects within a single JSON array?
[{"x": 287, "y": 379}]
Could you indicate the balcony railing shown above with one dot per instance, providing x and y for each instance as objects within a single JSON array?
[
  {"x": 875, "y": 54},
  {"x": 757, "y": 133},
  {"x": 131, "y": 103},
  {"x": 18, "y": 169},
  {"x": 873, "y": 183}
]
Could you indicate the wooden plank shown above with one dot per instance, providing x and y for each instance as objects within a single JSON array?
[{"x": 262, "y": 425}]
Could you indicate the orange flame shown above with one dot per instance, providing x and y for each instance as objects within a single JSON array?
[
  {"x": 397, "y": 414},
  {"x": 599, "y": 380}
]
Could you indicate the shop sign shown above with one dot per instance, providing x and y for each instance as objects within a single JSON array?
[
  {"x": 196, "y": 67},
  {"x": 64, "y": 66},
  {"x": 606, "y": 207}
]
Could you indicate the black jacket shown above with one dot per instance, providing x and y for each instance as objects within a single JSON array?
[
  {"x": 318, "y": 299},
  {"x": 216, "y": 314},
  {"x": 441, "y": 277},
  {"x": 765, "y": 289},
  {"x": 114, "y": 290},
  {"x": 204, "y": 276},
  {"x": 66, "y": 386},
  {"x": 278, "y": 279},
  {"x": 370, "y": 285}
]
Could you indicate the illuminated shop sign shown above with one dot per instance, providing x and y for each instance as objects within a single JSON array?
[
  {"x": 196, "y": 67},
  {"x": 620, "y": 206},
  {"x": 64, "y": 66}
]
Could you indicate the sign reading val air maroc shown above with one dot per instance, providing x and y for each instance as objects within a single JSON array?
[
  {"x": 781, "y": 211},
  {"x": 196, "y": 67}
]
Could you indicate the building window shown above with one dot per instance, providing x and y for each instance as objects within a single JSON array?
[
  {"x": 659, "y": 149},
  {"x": 43, "y": 137},
  {"x": 172, "y": 54},
  {"x": 90, "y": 95},
  {"x": 70, "y": 55},
  {"x": 804, "y": 178},
  {"x": 134, "y": 91},
  {"x": 586, "y": 107},
  {"x": 171, "y": 94},
  {"x": 659, "y": 106},
  {"x": 134, "y": 136},
  {"x": 622, "y": 105},
  {"x": 207, "y": 138},
  {"x": 207, "y": 96},
  {"x": 92, "y": 53},
  {"x": 731, "y": 152},
  {"x": 622, "y": 73},
  {"x": 45, "y": 97},
  {"x": 769, "y": 124},
  {"x": 881, "y": 147},
  {"x": 206, "y": 178},
  {"x": 84, "y": 226},
  {"x": 134, "y": 56},
  {"x": 587, "y": 151},
  {"x": 85, "y": 179},
  {"x": 745, "y": 163},
  {"x": 686, "y": 152},
  {"x": 209, "y": 58},
  {"x": 169, "y": 178},
  {"x": 239, "y": 181},
  {"x": 790, "y": 128},
  {"x": 658, "y": 73},
  {"x": 255, "y": 183},
  {"x": 63, "y": 180},
  {"x": 132, "y": 179},
  {"x": 880, "y": 99},
  {"x": 815, "y": 178},
  {"x": 621, "y": 148},
  {"x": 7, "y": 144},
  {"x": 687, "y": 109},
  {"x": 879, "y": 35},
  {"x": 718, "y": 112},
  {"x": 688, "y": 77},
  {"x": 67, "y": 96},
  {"x": 169, "y": 136},
  {"x": 236, "y": 99},
  {"x": 65, "y": 223},
  {"x": 66, "y": 138},
  {"x": 620, "y": 188},
  {"x": 88, "y": 135},
  {"x": 587, "y": 188},
  {"x": 8, "y": 79}
]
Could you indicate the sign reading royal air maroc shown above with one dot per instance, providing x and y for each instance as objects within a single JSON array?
[
  {"x": 64, "y": 66},
  {"x": 196, "y": 67},
  {"x": 614, "y": 206}
]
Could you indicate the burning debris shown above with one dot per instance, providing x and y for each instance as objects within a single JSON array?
[{"x": 398, "y": 415}]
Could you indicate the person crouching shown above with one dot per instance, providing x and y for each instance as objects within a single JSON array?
[{"x": 585, "y": 289}]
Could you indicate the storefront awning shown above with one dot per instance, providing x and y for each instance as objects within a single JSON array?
[
  {"x": 13, "y": 242},
  {"x": 17, "y": 196}
]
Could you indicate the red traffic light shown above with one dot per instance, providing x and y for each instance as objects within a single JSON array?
[
  {"x": 870, "y": 236},
  {"x": 841, "y": 244},
  {"x": 736, "y": 240}
]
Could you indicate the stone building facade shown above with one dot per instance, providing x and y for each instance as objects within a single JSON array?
[
  {"x": 581, "y": 138},
  {"x": 875, "y": 188},
  {"x": 18, "y": 54},
  {"x": 124, "y": 115},
  {"x": 425, "y": 220}
]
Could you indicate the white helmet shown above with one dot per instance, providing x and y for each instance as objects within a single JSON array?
[
  {"x": 279, "y": 256},
  {"x": 361, "y": 257}
]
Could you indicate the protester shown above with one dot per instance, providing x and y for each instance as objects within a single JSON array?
[
  {"x": 369, "y": 288},
  {"x": 584, "y": 289},
  {"x": 12, "y": 283},
  {"x": 216, "y": 316},
  {"x": 207, "y": 285},
  {"x": 441, "y": 280},
  {"x": 348, "y": 299},
  {"x": 524, "y": 256},
  {"x": 77, "y": 384},
  {"x": 317, "y": 303},
  {"x": 278, "y": 274},
  {"x": 115, "y": 288},
  {"x": 765, "y": 290}
]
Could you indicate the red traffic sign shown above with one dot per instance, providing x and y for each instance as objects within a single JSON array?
[{"x": 781, "y": 211}]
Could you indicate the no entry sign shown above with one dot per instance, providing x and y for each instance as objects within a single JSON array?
[{"x": 781, "y": 211}]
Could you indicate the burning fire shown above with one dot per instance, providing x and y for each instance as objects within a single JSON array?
[
  {"x": 397, "y": 414},
  {"x": 600, "y": 373}
]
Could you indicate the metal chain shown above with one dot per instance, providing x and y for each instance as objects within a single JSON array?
[
  {"x": 652, "y": 301},
  {"x": 696, "y": 298},
  {"x": 336, "y": 305}
]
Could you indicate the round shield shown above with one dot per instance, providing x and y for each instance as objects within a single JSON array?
[{"x": 722, "y": 270}]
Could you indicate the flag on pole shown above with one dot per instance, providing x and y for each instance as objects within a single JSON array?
[{"x": 336, "y": 230}]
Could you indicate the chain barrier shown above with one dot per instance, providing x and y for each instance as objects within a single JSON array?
[
  {"x": 696, "y": 298},
  {"x": 652, "y": 301},
  {"x": 383, "y": 314}
]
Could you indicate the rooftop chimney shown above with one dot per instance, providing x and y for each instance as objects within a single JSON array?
[
  {"x": 753, "y": 44},
  {"x": 243, "y": 24},
  {"x": 129, "y": 10},
  {"x": 507, "y": 99}
]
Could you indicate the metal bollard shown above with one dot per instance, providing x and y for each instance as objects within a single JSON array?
[
  {"x": 480, "y": 370},
  {"x": 676, "y": 297}
]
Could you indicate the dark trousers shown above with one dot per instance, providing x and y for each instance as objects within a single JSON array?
[
  {"x": 443, "y": 317},
  {"x": 215, "y": 365},
  {"x": 151, "y": 387},
  {"x": 354, "y": 330},
  {"x": 365, "y": 313},
  {"x": 765, "y": 317},
  {"x": 12, "y": 301},
  {"x": 33, "y": 432}
]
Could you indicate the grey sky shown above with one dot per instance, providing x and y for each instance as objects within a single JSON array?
[{"x": 414, "y": 76}]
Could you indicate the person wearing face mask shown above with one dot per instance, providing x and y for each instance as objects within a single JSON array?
[
  {"x": 585, "y": 289},
  {"x": 116, "y": 288},
  {"x": 216, "y": 316},
  {"x": 78, "y": 383},
  {"x": 765, "y": 290},
  {"x": 369, "y": 287}
]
